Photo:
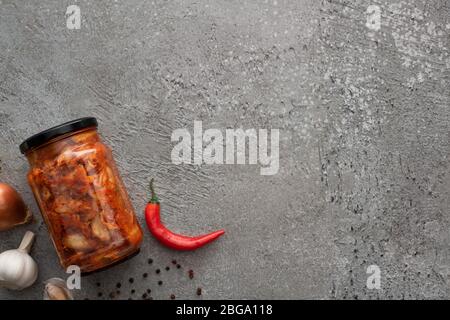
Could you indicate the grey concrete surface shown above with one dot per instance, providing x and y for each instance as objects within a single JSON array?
[{"x": 364, "y": 138}]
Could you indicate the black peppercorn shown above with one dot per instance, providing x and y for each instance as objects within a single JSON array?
[
  {"x": 160, "y": 282},
  {"x": 157, "y": 271},
  {"x": 199, "y": 291},
  {"x": 172, "y": 297}
]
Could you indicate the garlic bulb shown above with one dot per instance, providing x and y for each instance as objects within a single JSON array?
[
  {"x": 56, "y": 289},
  {"x": 18, "y": 270}
]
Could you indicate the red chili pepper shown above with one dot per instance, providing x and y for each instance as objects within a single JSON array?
[{"x": 167, "y": 237}]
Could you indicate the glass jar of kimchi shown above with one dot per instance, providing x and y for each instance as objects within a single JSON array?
[{"x": 81, "y": 196}]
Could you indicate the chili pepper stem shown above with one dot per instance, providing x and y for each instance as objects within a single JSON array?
[{"x": 154, "y": 198}]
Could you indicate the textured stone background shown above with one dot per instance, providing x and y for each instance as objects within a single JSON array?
[{"x": 364, "y": 123}]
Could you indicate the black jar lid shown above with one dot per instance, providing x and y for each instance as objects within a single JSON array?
[{"x": 45, "y": 136}]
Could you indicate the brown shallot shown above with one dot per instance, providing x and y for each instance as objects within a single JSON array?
[{"x": 13, "y": 211}]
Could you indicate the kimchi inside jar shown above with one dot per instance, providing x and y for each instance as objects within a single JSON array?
[{"x": 81, "y": 196}]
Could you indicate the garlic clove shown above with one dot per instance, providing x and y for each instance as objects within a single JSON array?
[{"x": 56, "y": 289}]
